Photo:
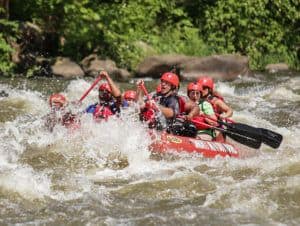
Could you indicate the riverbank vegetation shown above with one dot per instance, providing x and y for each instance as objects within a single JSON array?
[{"x": 267, "y": 31}]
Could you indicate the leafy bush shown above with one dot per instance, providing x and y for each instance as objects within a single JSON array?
[
  {"x": 129, "y": 30},
  {"x": 261, "y": 29},
  {"x": 9, "y": 33}
]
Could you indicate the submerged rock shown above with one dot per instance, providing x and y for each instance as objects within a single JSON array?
[{"x": 273, "y": 68}]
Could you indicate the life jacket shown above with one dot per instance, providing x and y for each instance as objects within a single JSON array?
[
  {"x": 212, "y": 99},
  {"x": 202, "y": 125},
  {"x": 181, "y": 102},
  {"x": 149, "y": 115},
  {"x": 70, "y": 120},
  {"x": 102, "y": 112}
]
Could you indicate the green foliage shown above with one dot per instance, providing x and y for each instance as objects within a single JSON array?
[
  {"x": 161, "y": 25},
  {"x": 5, "y": 50},
  {"x": 9, "y": 33},
  {"x": 260, "y": 29},
  {"x": 129, "y": 30}
]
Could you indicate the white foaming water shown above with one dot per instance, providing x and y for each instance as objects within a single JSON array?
[
  {"x": 16, "y": 136},
  {"x": 282, "y": 93},
  {"x": 241, "y": 185},
  {"x": 225, "y": 89},
  {"x": 124, "y": 135},
  {"x": 30, "y": 102},
  {"x": 77, "y": 88},
  {"x": 25, "y": 182}
]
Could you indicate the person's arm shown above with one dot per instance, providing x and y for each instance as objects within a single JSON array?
[
  {"x": 114, "y": 88},
  {"x": 227, "y": 111},
  {"x": 171, "y": 108},
  {"x": 167, "y": 112},
  {"x": 191, "y": 109},
  {"x": 195, "y": 111}
]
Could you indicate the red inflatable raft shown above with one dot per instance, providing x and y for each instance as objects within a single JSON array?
[{"x": 165, "y": 142}]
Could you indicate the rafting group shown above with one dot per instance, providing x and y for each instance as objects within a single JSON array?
[{"x": 201, "y": 114}]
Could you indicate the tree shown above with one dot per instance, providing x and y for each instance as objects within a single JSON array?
[{"x": 261, "y": 29}]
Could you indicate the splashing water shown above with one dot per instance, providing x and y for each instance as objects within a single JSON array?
[{"x": 103, "y": 173}]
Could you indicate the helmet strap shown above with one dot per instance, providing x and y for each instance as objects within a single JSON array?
[{"x": 168, "y": 93}]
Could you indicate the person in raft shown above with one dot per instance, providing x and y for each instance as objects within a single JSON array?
[
  {"x": 58, "y": 113},
  {"x": 169, "y": 106},
  {"x": 129, "y": 98},
  {"x": 221, "y": 109},
  {"x": 110, "y": 100},
  {"x": 206, "y": 117}
]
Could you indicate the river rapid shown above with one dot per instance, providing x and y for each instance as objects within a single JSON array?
[{"x": 104, "y": 174}]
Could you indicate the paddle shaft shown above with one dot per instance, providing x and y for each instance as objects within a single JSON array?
[
  {"x": 248, "y": 141},
  {"x": 143, "y": 87},
  {"x": 91, "y": 87}
]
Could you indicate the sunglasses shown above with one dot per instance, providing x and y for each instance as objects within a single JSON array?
[
  {"x": 193, "y": 92},
  {"x": 103, "y": 92}
]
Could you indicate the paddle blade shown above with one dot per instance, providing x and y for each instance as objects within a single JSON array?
[
  {"x": 266, "y": 136},
  {"x": 250, "y": 142},
  {"x": 245, "y": 130},
  {"x": 270, "y": 138}
]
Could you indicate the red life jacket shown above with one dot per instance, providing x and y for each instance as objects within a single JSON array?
[
  {"x": 148, "y": 115},
  {"x": 102, "y": 112},
  {"x": 181, "y": 102},
  {"x": 212, "y": 99}
]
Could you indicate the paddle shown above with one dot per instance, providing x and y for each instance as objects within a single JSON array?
[
  {"x": 266, "y": 136},
  {"x": 91, "y": 87},
  {"x": 143, "y": 87},
  {"x": 245, "y": 140}
]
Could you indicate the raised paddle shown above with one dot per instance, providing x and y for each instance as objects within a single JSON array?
[
  {"x": 266, "y": 136},
  {"x": 91, "y": 87},
  {"x": 245, "y": 140},
  {"x": 143, "y": 87}
]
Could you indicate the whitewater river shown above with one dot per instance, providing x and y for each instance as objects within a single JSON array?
[{"x": 104, "y": 174}]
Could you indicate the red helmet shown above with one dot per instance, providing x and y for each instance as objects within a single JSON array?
[
  {"x": 194, "y": 86},
  {"x": 206, "y": 82},
  {"x": 171, "y": 78},
  {"x": 129, "y": 95},
  {"x": 105, "y": 87},
  {"x": 57, "y": 98},
  {"x": 158, "y": 88}
]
